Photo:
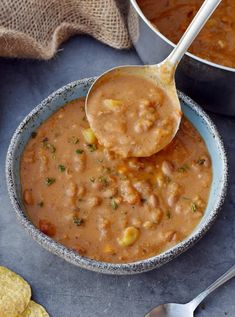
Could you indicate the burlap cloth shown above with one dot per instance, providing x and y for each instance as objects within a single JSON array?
[{"x": 36, "y": 28}]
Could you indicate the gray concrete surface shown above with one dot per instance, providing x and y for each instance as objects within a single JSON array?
[{"x": 65, "y": 290}]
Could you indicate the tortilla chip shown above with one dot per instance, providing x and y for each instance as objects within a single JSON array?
[
  {"x": 15, "y": 293},
  {"x": 34, "y": 310}
]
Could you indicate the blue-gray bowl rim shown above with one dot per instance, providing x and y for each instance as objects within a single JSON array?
[{"x": 98, "y": 266}]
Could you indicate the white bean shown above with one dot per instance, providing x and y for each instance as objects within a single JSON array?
[
  {"x": 153, "y": 201},
  {"x": 167, "y": 168},
  {"x": 28, "y": 197},
  {"x": 94, "y": 201}
]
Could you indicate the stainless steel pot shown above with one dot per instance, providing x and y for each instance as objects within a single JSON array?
[{"x": 210, "y": 84}]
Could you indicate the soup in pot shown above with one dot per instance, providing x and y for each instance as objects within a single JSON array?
[{"x": 216, "y": 41}]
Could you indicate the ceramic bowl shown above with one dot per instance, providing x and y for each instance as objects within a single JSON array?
[{"x": 75, "y": 90}]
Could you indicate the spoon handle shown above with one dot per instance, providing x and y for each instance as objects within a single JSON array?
[
  {"x": 220, "y": 281},
  {"x": 192, "y": 31}
]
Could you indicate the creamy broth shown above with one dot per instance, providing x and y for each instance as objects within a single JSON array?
[
  {"x": 131, "y": 115},
  {"x": 216, "y": 41},
  {"x": 107, "y": 208}
]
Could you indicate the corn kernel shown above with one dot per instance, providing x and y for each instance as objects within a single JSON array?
[
  {"x": 112, "y": 104},
  {"x": 131, "y": 234},
  {"x": 89, "y": 136}
]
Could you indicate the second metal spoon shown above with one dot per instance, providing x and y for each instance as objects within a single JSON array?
[{"x": 187, "y": 310}]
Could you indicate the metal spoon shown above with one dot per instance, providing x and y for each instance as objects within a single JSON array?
[
  {"x": 187, "y": 310},
  {"x": 163, "y": 75}
]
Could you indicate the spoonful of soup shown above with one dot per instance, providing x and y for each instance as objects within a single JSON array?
[{"x": 134, "y": 111}]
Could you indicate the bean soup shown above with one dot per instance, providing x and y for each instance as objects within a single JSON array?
[
  {"x": 105, "y": 207},
  {"x": 216, "y": 41},
  {"x": 131, "y": 115}
]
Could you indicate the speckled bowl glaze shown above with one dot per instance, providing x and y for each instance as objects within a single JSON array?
[{"x": 75, "y": 90}]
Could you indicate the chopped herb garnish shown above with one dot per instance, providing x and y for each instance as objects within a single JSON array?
[
  {"x": 106, "y": 169},
  {"x": 50, "y": 147},
  {"x": 41, "y": 204},
  {"x": 168, "y": 214},
  {"x": 49, "y": 181},
  {"x": 194, "y": 207},
  {"x": 200, "y": 161},
  {"x": 114, "y": 204},
  {"x": 92, "y": 179},
  {"x": 33, "y": 134},
  {"x": 79, "y": 151},
  {"x": 185, "y": 198},
  {"x": 92, "y": 147},
  {"x": 61, "y": 168},
  {"x": 103, "y": 180},
  {"x": 73, "y": 140},
  {"x": 78, "y": 221},
  {"x": 184, "y": 168},
  {"x": 168, "y": 179}
]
